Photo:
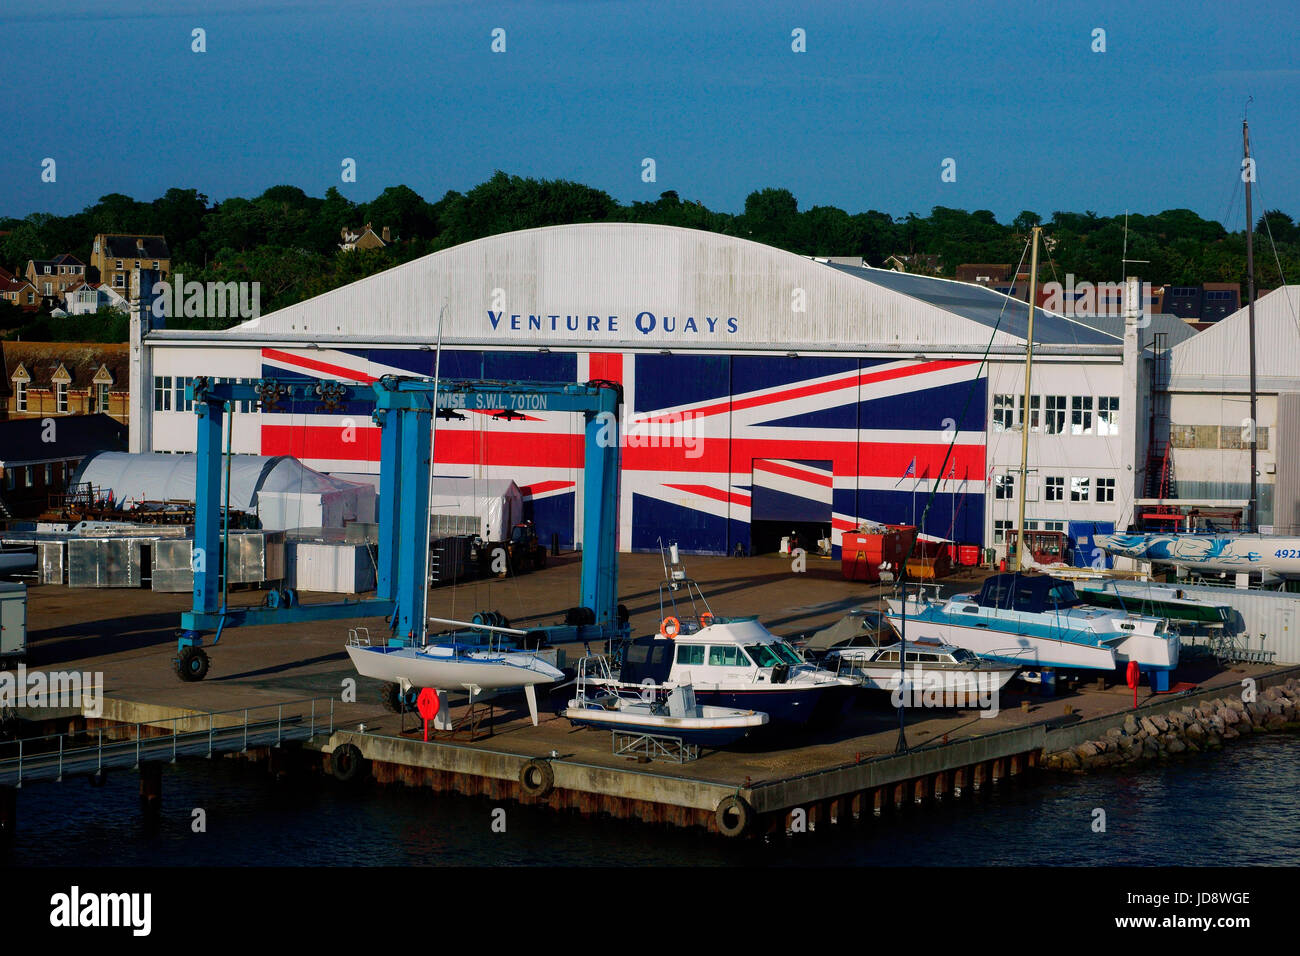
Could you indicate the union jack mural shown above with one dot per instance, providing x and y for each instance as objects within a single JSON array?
[{"x": 712, "y": 443}]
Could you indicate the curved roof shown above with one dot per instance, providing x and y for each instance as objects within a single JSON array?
[
  {"x": 154, "y": 476},
  {"x": 1218, "y": 359},
  {"x": 630, "y": 285}
]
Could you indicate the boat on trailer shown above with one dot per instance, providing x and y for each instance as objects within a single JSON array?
[
  {"x": 458, "y": 664},
  {"x": 602, "y": 701},
  {"x": 1039, "y": 621}
]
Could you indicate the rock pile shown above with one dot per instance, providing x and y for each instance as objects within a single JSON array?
[{"x": 1189, "y": 729}]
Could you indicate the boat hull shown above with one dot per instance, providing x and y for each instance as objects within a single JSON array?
[
  {"x": 784, "y": 704},
  {"x": 1021, "y": 650},
  {"x": 711, "y": 731},
  {"x": 424, "y": 667}
]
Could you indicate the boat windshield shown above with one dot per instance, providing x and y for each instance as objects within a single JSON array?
[
  {"x": 791, "y": 656},
  {"x": 763, "y": 654},
  {"x": 960, "y": 654}
]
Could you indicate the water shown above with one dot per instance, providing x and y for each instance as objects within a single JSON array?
[{"x": 1233, "y": 808}]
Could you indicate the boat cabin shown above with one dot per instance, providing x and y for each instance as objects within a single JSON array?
[{"x": 1028, "y": 593}]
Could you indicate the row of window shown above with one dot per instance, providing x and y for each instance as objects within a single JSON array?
[
  {"x": 1001, "y": 528},
  {"x": 1058, "y": 414},
  {"x": 98, "y": 397},
  {"x": 1216, "y": 436},
  {"x": 1004, "y": 488},
  {"x": 23, "y": 477},
  {"x": 169, "y": 394}
]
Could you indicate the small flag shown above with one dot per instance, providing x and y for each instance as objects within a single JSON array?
[{"x": 911, "y": 471}]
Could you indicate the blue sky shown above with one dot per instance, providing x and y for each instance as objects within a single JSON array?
[{"x": 710, "y": 90}]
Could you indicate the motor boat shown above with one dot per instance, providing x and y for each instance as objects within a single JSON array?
[
  {"x": 1038, "y": 621},
  {"x": 950, "y": 668},
  {"x": 479, "y": 668},
  {"x": 602, "y": 701},
  {"x": 732, "y": 662}
]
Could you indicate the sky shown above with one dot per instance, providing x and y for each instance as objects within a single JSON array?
[{"x": 1012, "y": 93}]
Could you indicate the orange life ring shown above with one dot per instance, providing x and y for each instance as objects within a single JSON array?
[
  {"x": 706, "y": 619},
  {"x": 670, "y": 628}
]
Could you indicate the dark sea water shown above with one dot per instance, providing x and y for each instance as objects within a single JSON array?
[{"x": 1235, "y": 807}]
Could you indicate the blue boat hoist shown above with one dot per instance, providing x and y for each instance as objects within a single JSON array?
[{"x": 404, "y": 408}]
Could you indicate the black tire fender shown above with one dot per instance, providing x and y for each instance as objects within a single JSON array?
[
  {"x": 537, "y": 778},
  {"x": 346, "y": 762},
  {"x": 734, "y": 816}
]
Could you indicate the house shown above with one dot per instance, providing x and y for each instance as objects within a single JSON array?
[
  {"x": 919, "y": 263},
  {"x": 363, "y": 238},
  {"x": 983, "y": 273},
  {"x": 88, "y": 298},
  {"x": 116, "y": 256},
  {"x": 21, "y": 293},
  {"x": 1207, "y": 303},
  {"x": 44, "y": 379},
  {"x": 38, "y": 458},
  {"x": 54, "y": 277}
]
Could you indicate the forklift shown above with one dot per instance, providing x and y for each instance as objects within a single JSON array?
[{"x": 523, "y": 552}]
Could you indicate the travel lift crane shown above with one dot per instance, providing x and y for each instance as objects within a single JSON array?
[{"x": 404, "y": 410}]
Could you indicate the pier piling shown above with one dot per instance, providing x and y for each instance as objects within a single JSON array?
[{"x": 151, "y": 787}]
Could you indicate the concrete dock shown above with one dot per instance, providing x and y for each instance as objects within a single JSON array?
[{"x": 828, "y": 776}]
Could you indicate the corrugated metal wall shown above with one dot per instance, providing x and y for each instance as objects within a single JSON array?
[{"x": 1286, "y": 488}]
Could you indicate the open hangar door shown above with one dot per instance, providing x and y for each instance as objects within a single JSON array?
[{"x": 789, "y": 496}]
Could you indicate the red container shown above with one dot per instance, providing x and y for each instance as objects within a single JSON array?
[{"x": 968, "y": 555}]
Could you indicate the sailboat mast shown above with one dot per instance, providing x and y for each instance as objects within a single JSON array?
[
  {"x": 1025, "y": 414},
  {"x": 1252, "y": 518}
]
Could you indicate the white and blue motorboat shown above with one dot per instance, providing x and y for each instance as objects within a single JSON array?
[
  {"x": 732, "y": 662},
  {"x": 1037, "y": 621},
  {"x": 604, "y": 702}
]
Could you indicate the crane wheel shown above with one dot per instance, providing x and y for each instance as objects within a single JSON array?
[{"x": 192, "y": 664}]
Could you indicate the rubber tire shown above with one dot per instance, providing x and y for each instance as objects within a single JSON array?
[
  {"x": 346, "y": 762},
  {"x": 192, "y": 665},
  {"x": 734, "y": 816},
  {"x": 537, "y": 778}
]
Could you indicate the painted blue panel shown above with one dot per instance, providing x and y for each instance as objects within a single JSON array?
[
  {"x": 896, "y": 507},
  {"x": 752, "y": 372},
  {"x": 553, "y": 515},
  {"x": 768, "y": 504},
  {"x": 695, "y": 531},
  {"x": 359, "y": 410},
  {"x": 926, "y": 410},
  {"x": 531, "y": 366},
  {"x": 1085, "y": 551},
  {"x": 664, "y": 381}
]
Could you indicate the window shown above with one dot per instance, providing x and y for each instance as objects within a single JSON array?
[
  {"x": 763, "y": 655},
  {"x": 119, "y": 281},
  {"x": 119, "y": 263},
  {"x": 1108, "y": 415},
  {"x": 180, "y": 404},
  {"x": 162, "y": 393},
  {"x": 103, "y": 397},
  {"x": 27, "y": 476},
  {"x": 1080, "y": 489},
  {"x": 1004, "y": 413},
  {"x": 1055, "y": 417},
  {"x": 61, "y": 397},
  {"x": 1053, "y": 525},
  {"x": 49, "y": 475},
  {"x": 1000, "y": 529},
  {"x": 1081, "y": 415},
  {"x": 1055, "y": 488},
  {"x": 690, "y": 653},
  {"x": 1105, "y": 489},
  {"x": 20, "y": 394},
  {"x": 1004, "y": 487},
  {"x": 727, "y": 655},
  {"x": 155, "y": 265},
  {"x": 1034, "y": 409}
]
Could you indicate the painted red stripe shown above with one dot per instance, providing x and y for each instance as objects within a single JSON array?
[
  {"x": 717, "y": 494},
  {"x": 607, "y": 366},
  {"x": 718, "y": 455},
  {"x": 542, "y": 487},
  {"x": 786, "y": 471},
  {"x": 864, "y": 377},
  {"x": 316, "y": 365}
]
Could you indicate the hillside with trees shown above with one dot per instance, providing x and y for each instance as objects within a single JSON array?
[{"x": 289, "y": 241}]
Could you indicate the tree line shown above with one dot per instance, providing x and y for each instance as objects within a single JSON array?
[{"x": 288, "y": 240}]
